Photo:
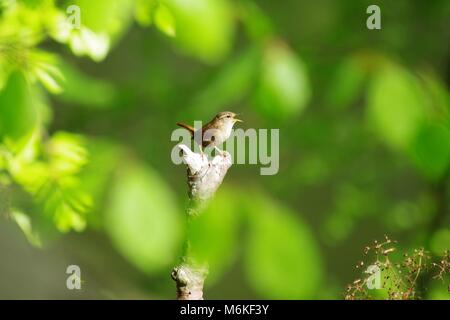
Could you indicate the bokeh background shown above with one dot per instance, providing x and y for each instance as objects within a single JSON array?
[{"x": 86, "y": 117}]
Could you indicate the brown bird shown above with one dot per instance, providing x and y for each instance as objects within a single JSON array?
[{"x": 215, "y": 132}]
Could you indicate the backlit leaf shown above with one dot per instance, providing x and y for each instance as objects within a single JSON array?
[
  {"x": 440, "y": 241},
  {"x": 214, "y": 234},
  {"x": 143, "y": 11},
  {"x": 24, "y": 223},
  {"x": 17, "y": 113},
  {"x": 85, "y": 90},
  {"x": 282, "y": 259},
  {"x": 165, "y": 21},
  {"x": 347, "y": 82},
  {"x": 257, "y": 24},
  {"x": 106, "y": 17},
  {"x": 204, "y": 27},
  {"x": 283, "y": 88},
  {"x": 431, "y": 150},
  {"x": 142, "y": 218},
  {"x": 395, "y": 106},
  {"x": 232, "y": 83},
  {"x": 53, "y": 183}
]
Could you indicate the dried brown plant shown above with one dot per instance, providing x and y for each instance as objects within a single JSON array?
[{"x": 399, "y": 275}]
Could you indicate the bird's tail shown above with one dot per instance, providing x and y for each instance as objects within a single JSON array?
[{"x": 187, "y": 127}]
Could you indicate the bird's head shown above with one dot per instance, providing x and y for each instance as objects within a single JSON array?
[{"x": 227, "y": 118}]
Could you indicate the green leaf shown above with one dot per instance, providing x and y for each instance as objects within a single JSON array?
[
  {"x": 396, "y": 106},
  {"x": 62, "y": 199},
  {"x": 440, "y": 241},
  {"x": 5, "y": 70},
  {"x": 85, "y": 90},
  {"x": 143, "y": 11},
  {"x": 24, "y": 223},
  {"x": 164, "y": 20},
  {"x": 103, "y": 23},
  {"x": 257, "y": 24},
  {"x": 67, "y": 153},
  {"x": 42, "y": 66},
  {"x": 142, "y": 218},
  {"x": 53, "y": 183},
  {"x": 205, "y": 28},
  {"x": 283, "y": 87},
  {"x": 213, "y": 235},
  {"x": 439, "y": 289},
  {"x": 347, "y": 82},
  {"x": 439, "y": 97},
  {"x": 97, "y": 174},
  {"x": 67, "y": 202},
  {"x": 104, "y": 16},
  {"x": 430, "y": 150},
  {"x": 18, "y": 116},
  {"x": 282, "y": 259},
  {"x": 230, "y": 84}
]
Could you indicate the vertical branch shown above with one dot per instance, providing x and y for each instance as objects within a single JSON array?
[{"x": 204, "y": 178}]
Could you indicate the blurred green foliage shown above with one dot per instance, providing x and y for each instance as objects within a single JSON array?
[
  {"x": 364, "y": 116},
  {"x": 282, "y": 259},
  {"x": 143, "y": 219},
  {"x": 16, "y": 123}
]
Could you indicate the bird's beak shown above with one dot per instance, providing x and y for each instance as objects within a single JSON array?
[{"x": 237, "y": 120}]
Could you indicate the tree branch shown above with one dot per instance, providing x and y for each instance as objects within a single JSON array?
[{"x": 204, "y": 178}]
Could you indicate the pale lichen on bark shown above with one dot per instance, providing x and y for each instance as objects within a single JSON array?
[{"x": 204, "y": 178}]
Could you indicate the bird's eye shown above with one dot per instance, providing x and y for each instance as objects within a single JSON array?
[{"x": 228, "y": 116}]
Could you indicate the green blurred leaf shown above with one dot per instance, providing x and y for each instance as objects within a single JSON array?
[
  {"x": 67, "y": 152},
  {"x": 62, "y": 200},
  {"x": 440, "y": 241},
  {"x": 231, "y": 83},
  {"x": 396, "y": 106},
  {"x": 214, "y": 234},
  {"x": 103, "y": 22},
  {"x": 337, "y": 227},
  {"x": 142, "y": 218},
  {"x": 97, "y": 175},
  {"x": 347, "y": 82},
  {"x": 67, "y": 203},
  {"x": 430, "y": 150},
  {"x": 439, "y": 289},
  {"x": 85, "y": 90},
  {"x": 86, "y": 42},
  {"x": 257, "y": 24},
  {"x": 104, "y": 16},
  {"x": 439, "y": 97},
  {"x": 144, "y": 10},
  {"x": 24, "y": 223},
  {"x": 18, "y": 116},
  {"x": 283, "y": 88},
  {"x": 282, "y": 259},
  {"x": 5, "y": 70},
  {"x": 164, "y": 20},
  {"x": 205, "y": 28},
  {"x": 351, "y": 204},
  {"x": 312, "y": 170},
  {"x": 407, "y": 215},
  {"x": 53, "y": 183},
  {"x": 42, "y": 66}
]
